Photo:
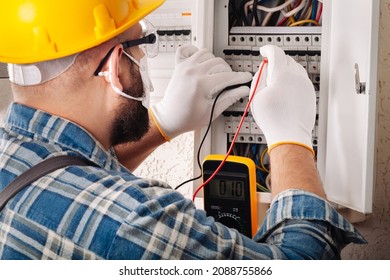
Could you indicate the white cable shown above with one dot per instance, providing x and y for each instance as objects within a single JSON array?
[
  {"x": 296, "y": 10},
  {"x": 249, "y": 6},
  {"x": 266, "y": 19}
]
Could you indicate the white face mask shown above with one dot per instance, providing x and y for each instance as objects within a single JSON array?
[{"x": 145, "y": 77}]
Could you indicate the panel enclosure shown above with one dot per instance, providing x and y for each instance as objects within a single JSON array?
[
  {"x": 344, "y": 133},
  {"x": 347, "y": 135}
]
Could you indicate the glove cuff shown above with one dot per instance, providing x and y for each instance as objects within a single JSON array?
[
  {"x": 310, "y": 148},
  {"x": 158, "y": 126}
]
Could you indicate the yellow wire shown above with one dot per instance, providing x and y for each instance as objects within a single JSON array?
[
  {"x": 301, "y": 22},
  {"x": 309, "y": 11},
  {"x": 262, "y": 188},
  {"x": 292, "y": 19},
  {"x": 262, "y": 160},
  {"x": 234, "y": 151},
  {"x": 260, "y": 168}
]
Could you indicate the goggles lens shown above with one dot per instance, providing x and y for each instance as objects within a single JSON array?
[
  {"x": 151, "y": 48},
  {"x": 148, "y": 43}
]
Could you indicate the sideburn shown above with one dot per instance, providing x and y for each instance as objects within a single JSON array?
[{"x": 131, "y": 122}]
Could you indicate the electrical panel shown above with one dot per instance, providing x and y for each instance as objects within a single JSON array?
[
  {"x": 315, "y": 34},
  {"x": 337, "y": 43},
  {"x": 237, "y": 41},
  {"x": 242, "y": 53},
  {"x": 174, "y": 23}
]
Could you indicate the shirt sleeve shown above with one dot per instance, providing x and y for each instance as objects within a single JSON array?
[
  {"x": 303, "y": 225},
  {"x": 298, "y": 225}
]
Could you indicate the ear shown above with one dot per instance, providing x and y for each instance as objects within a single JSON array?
[{"x": 111, "y": 72}]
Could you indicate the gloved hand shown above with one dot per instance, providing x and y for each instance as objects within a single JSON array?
[
  {"x": 284, "y": 105},
  {"x": 197, "y": 79}
]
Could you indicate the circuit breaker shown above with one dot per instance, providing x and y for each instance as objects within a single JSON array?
[
  {"x": 336, "y": 42},
  {"x": 174, "y": 24}
]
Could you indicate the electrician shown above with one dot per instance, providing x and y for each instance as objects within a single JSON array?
[{"x": 80, "y": 85}]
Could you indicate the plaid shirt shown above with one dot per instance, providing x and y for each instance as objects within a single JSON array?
[{"x": 106, "y": 212}]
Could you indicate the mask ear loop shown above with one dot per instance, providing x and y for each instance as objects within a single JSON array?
[
  {"x": 109, "y": 74},
  {"x": 145, "y": 76}
]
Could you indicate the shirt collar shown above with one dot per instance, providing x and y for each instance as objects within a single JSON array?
[{"x": 32, "y": 123}]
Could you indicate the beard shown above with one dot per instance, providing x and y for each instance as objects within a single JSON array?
[{"x": 132, "y": 119}]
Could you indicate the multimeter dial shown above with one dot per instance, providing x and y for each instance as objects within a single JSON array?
[{"x": 232, "y": 221}]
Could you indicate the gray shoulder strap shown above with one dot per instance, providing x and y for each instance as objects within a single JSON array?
[{"x": 37, "y": 171}]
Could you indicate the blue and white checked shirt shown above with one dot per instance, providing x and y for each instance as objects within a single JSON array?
[{"x": 106, "y": 212}]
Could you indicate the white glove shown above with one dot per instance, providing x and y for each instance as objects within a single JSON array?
[
  {"x": 197, "y": 79},
  {"x": 284, "y": 106}
]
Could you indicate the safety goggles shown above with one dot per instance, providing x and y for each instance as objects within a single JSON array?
[{"x": 148, "y": 43}]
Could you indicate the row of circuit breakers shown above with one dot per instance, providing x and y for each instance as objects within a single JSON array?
[{"x": 243, "y": 54}]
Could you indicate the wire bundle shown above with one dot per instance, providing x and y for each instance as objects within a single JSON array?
[
  {"x": 275, "y": 12},
  {"x": 258, "y": 153}
]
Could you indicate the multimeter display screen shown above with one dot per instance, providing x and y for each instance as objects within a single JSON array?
[{"x": 228, "y": 188}]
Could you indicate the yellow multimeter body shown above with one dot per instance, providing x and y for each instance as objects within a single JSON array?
[{"x": 230, "y": 197}]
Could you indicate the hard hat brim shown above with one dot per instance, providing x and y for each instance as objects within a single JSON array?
[{"x": 56, "y": 39}]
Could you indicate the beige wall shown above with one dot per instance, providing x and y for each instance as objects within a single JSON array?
[
  {"x": 376, "y": 228},
  {"x": 5, "y": 97}
]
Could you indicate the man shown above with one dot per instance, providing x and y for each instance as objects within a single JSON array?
[{"x": 80, "y": 87}]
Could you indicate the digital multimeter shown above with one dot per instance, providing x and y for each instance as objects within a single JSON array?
[{"x": 230, "y": 197}]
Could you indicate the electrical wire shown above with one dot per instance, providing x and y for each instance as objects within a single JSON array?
[
  {"x": 303, "y": 11},
  {"x": 292, "y": 18},
  {"x": 301, "y": 22},
  {"x": 262, "y": 160},
  {"x": 299, "y": 14},
  {"x": 244, "y": 15},
  {"x": 201, "y": 143},
  {"x": 295, "y": 10},
  {"x": 314, "y": 9},
  {"x": 282, "y": 21},
  {"x": 249, "y": 6},
  {"x": 262, "y": 188},
  {"x": 207, "y": 131},
  {"x": 298, "y": 7},
  {"x": 266, "y": 19},
  {"x": 309, "y": 10},
  {"x": 284, "y": 13},
  {"x": 260, "y": 168},
  {"x": 255, "y": 15},
  {"x": 319, "y": 14},
  {"x": 236, "y": 134}
]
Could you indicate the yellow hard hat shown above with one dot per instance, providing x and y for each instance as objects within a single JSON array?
[{"x": 39, "y": 30}]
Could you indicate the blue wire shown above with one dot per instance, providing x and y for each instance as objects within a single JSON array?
[
  {"x": 259, "y": 175},
  {"x": 314, "y": 10}
]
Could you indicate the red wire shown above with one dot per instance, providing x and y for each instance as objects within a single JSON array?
[
  {"x": 319, "y": 12},
  {"x": 236, "y": 134},
  {"x": 283, "y": 20}
]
